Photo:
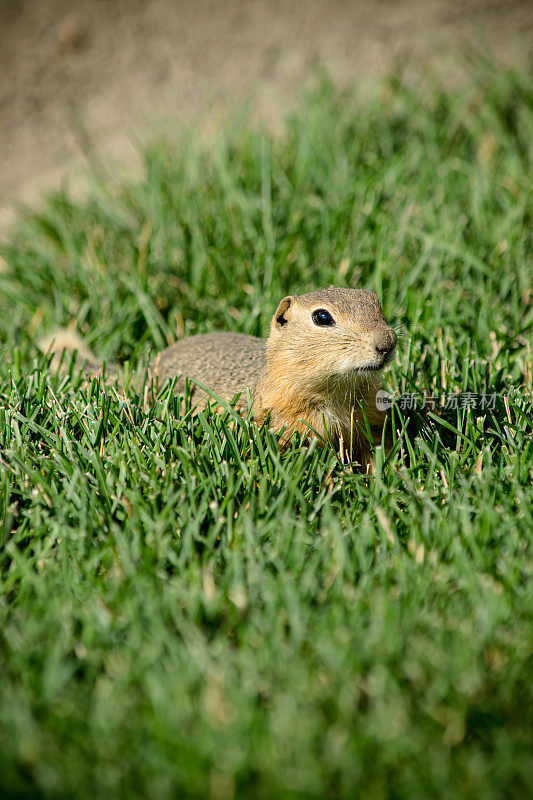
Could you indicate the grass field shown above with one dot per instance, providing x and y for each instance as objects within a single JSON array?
[{"x": 187, "y": 612}]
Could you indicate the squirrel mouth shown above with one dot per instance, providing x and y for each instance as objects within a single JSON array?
[
  {"x": 371, "y": 367},
  {"x": 356, "y": 374},
  {"x": 387, "y": 358},
  {"x": 360, "y": 370}
]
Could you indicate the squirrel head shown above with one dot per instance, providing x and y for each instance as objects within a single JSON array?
[{"x": 331, "y": 333}]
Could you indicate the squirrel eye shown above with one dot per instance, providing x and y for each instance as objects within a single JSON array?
[{"x": 322, "y": 317}]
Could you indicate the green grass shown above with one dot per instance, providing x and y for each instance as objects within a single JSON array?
[{"x": 185, "y": 611}]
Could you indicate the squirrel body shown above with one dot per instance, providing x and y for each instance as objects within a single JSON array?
[
  {"x": 227, "y": 363},
  {"x": 318, "y": 369}
]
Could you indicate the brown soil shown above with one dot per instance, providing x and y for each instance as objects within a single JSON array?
[{"x": 108, "y": 71}]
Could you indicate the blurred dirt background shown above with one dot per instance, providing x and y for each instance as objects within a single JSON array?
[{"x": 99, "y": 75}]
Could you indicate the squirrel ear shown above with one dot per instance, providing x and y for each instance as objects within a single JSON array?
[{"x": 280, "y": 317}]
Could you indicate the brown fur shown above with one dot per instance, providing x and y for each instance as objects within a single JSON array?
[
  {"x": 323, "y": 383},
  {"x": 304, "y": 376}
]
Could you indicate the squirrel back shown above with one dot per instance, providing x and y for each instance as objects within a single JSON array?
[{"x": 227, "y": 363}]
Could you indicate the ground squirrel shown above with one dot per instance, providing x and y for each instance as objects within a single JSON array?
[{"x": 320, "y": 362}]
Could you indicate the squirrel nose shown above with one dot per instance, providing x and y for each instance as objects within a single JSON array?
[{"x": 385, "y": 341}]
